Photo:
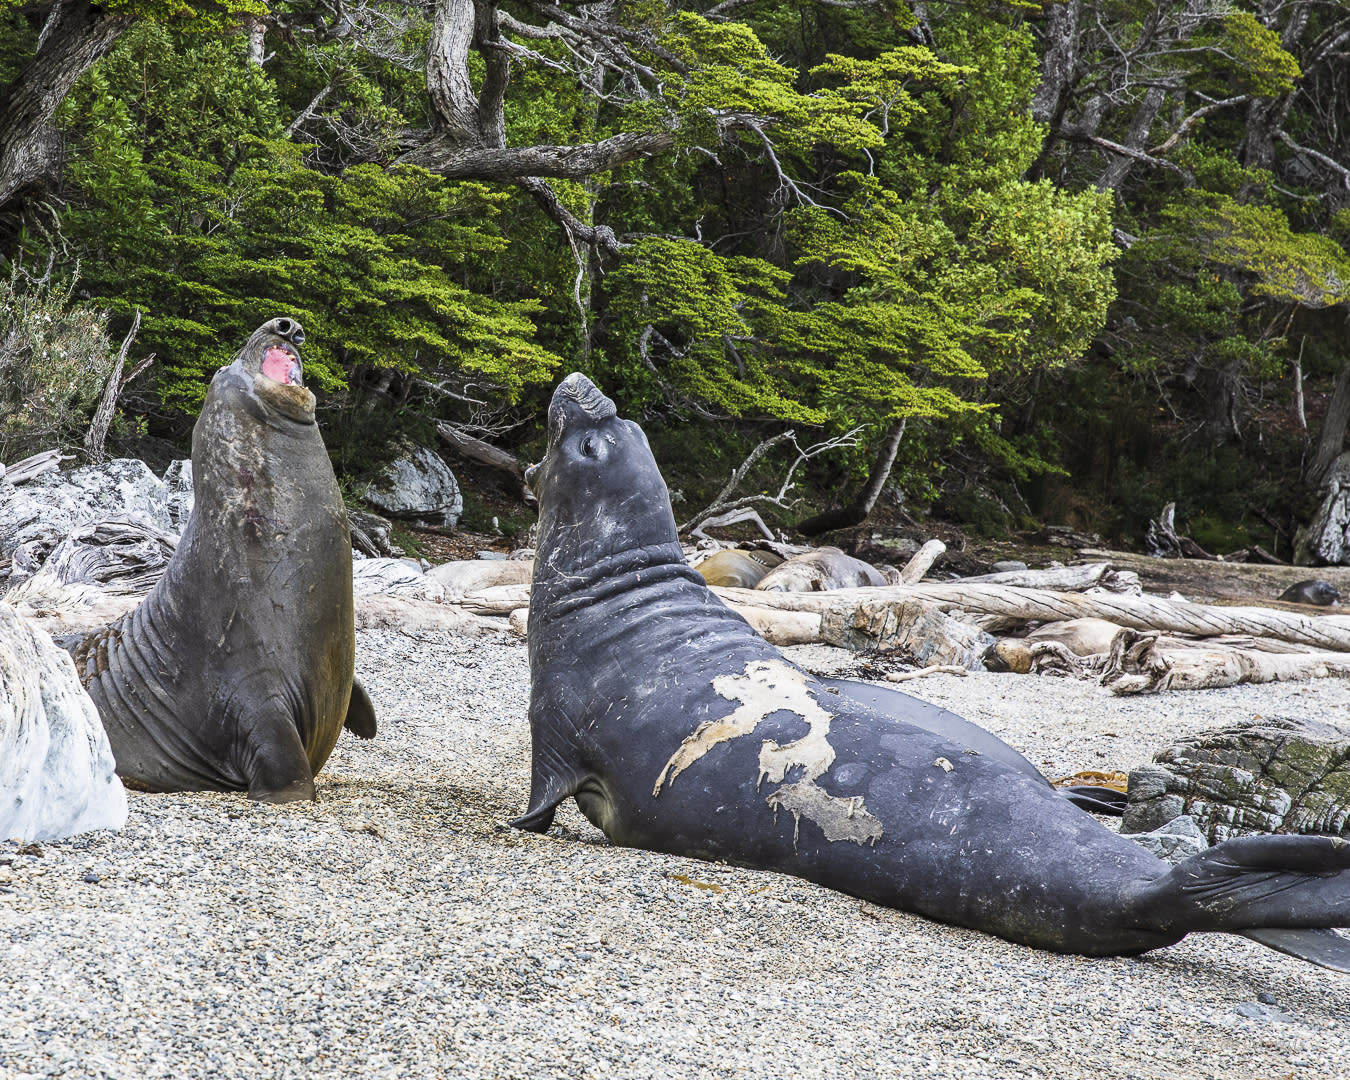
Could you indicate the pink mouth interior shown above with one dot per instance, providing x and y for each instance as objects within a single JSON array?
[{"x": 282, "y": 365}]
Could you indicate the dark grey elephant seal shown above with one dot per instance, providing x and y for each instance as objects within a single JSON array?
[
  {"x": 236, "y": 672},
  {"x": 820, "y": 570},
  {"x": 678, "y": 729},
  {"x": 1314, "y": 591}
]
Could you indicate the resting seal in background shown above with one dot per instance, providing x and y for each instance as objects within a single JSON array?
[
  {"x": 819, "y": 571},
  {"x": 678, "y": 729},
  {"x": 236, "y": 672}
]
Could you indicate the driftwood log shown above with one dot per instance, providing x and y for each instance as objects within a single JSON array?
[
  {"x": 1331, "y": 632},
  {"x": 1151, "y": 662},
  {"x": 1216, "y": 580}
]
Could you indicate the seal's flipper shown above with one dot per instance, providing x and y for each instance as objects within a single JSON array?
[
  {"x": 1254, "y": 882},
  {"x": 1098, "y": 800},
  {"x": 276, "y": 765},
  {"x": 1326, "y": 948},
  {"x": 360, "y": 713},
  {"x": 555, "y": 774}
]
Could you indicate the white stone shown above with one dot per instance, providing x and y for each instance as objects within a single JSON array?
[{"x": 57, "y": 775}]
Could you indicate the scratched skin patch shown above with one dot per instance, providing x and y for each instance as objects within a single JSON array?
[{"x": 767, "y": 687}]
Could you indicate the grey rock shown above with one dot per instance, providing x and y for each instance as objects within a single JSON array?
[
  {"x": 1178, "y": 839},
  {"x": 1008, "y": 566},
  {"x": 417, "y": 487},
  {"x": 1271, "y": 774},
  {"x": 48, "y": 508}
]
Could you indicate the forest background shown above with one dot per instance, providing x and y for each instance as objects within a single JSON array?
[{"x": 1014, "y": 262}]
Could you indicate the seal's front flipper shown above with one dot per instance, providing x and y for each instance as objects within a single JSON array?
[
  {"x": 360, "y": 713},
  {"x": 275, "y": 764},
  {"x": 555, "y": 772},
  {"x": 1326, "y": 948}
]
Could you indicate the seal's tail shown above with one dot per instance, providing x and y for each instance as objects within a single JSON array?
[{"x": 1284, "y": 891}]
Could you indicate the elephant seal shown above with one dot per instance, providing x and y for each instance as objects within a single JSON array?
[
  {"x": 678, "y": 729},
  {"x": 736, "y": 568},
  {"x": 820, "y": 570},
  {"x": 1313, "y": 591},
  {"x": 236, "y": 672}
]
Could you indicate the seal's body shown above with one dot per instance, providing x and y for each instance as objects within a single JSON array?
[
  {"x": 236, "y": 672},
  {"x": 1313, "y": 591},
  {"x": 678, "y": 729},
  {"x": 737, "y": 569},
  {"x": 820, "y": 571}
]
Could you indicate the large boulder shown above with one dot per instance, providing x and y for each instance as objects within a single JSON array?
[
  {"x": 1268, "y": 775},
  {"x": 419, "y": 488},
  {"x": 57, "y": 775}
]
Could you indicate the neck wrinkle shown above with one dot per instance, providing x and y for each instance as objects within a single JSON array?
[{"x": 614, "y": 575}]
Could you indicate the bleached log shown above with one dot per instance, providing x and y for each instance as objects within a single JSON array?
[
  {"x": 496, "y": 599},
  {"x": 1148, "y": 663},
  {"x": 1077, "y": 578},
  {"x": 44, "y": 462},
  {"x": 921, "y": 562},
  {"x": 466, "y": 577},
  {"x": 1331, "y": 632},
  {"x": 776, "y": 627},
  {"x": 921, "y": 631},
  {"x": 1201, "y": 578},
  {"x": 783, "y": 627}
]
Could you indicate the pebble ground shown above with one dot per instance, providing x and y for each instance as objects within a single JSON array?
[{"x": 399, "y": 928}]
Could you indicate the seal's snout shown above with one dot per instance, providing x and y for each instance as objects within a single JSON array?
[
  {"x": 577, "y": 392},
  {"x": 290, "y": 329}
]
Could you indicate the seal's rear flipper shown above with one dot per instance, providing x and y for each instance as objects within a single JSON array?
[
  {"x": 360, "y": 712},
  {"x": 1326, "y": 948},
  {"x": 1098, "y": 800},
  {"x": 1255, "y": 882}
]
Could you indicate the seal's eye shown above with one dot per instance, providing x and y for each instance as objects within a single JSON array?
[{"x": 588, "y": 446}]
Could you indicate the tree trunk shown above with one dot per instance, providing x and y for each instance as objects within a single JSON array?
[
  {"x": 855, "y": 513},
  {"x": 1332, "y": 438},
  {"x": 75, "y": 36}
]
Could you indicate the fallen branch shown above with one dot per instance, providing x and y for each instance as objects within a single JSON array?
[
  {"x": 1151, "y": 662},
  {"x": 932, "y": 669},
  {"x": 921, "y": 562}
]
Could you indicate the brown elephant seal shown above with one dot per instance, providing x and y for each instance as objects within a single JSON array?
[
  {"x": 236, "y": 672},
  {"x": 736, "y": 568},
  {"x": 678, "y": 729}
]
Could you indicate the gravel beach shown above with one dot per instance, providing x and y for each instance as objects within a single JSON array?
[{"x": 399, "y": 928}]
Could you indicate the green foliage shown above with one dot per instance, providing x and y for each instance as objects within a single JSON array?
[
  {"x": 54, "y": 360},
  {"x": 709, "y": 321},
  {"x": 1256, "y": 242},
  {"x": 1266, "y": 67},
  {"x": 218, "y": 223}
]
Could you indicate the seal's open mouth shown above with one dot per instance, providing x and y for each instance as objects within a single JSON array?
[{"x": 282, "y": 365}]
